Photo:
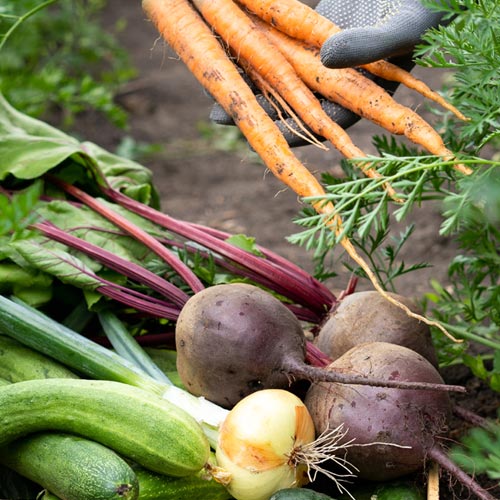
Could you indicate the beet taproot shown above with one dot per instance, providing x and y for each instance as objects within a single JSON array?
[
  {"x": 388, "y": 432},
  {"x": 235, "y": 339},
  {"x": 382, "y": 415},
  {"x": 368, "y": 317}
]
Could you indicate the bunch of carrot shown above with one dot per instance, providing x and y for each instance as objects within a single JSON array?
[{"x": 276, "y": 42}]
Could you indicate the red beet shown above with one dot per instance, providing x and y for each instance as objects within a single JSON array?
[
  {"x": 399, "y": 429},
  {"x": 369, "y": 317},
  {"x": 235, "y": 339}
]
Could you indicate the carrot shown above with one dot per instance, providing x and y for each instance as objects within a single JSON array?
[
  {"x": 360, "y": 95},
  {"x": 300, "y": 21},
  {"x": 193, "y": 41},
  {"x": 252, "y": 48}
]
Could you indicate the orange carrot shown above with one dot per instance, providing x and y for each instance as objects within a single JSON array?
[
  {"x": 252, "y": 47},
  {"x": 193, "y": 41},
  {"x": 300, "y": 21},
  {"x": 360, "y": 95}
]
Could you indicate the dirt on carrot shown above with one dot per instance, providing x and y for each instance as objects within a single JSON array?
[{"x": 300, "y": 21}]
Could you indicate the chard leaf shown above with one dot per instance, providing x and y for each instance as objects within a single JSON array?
[
  {"x": 30, "y": 148},
  {"x": 84, "y": 223},
  {"x": 57, "y": 262}
]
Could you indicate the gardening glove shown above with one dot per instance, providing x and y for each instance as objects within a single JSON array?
[
  {"x": 394, "y": 25},
  {"x": 373, "y": 29}
]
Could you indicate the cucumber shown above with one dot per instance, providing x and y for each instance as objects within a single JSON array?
[
  {"x": 47, "y": 495},
  {"x": 4, "y": 381},
  {"x": 299, "y": 494},
  {"x": 155, "y": 486},
  {"x": 18, "y": 363},
  {"x": 71, "y": 467},
  {"x": 136, "y": 424}
]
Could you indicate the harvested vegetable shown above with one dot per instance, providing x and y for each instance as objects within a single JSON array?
[
  {"x": 367, "y": 317},
  {"x": 260, "y": 442},
  {"x": 72, "y": 467},
  {"x": 360, "y": 95},
  {"x": 301, "y": 22},
  {"x": 235, "y": 339},
  {"x": 388, "y": 432}
]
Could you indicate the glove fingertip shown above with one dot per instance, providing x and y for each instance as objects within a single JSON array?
[{"x": 354, "y": 47}]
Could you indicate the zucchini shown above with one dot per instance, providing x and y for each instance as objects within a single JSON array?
[
  {"x": 136, "y": 424},
  {"x": 18, "y": 363},
  {"x": 71, "y": 467},
  {"x": 155, "y": 486}
]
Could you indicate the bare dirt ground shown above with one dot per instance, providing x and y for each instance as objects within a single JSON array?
[{"x": 231, "y": 190}]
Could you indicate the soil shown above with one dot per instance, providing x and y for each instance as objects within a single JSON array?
[{"x": 229, "y": 189}]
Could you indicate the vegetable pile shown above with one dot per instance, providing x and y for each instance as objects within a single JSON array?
[
  {"x": 263, "y": 384},
  {"x": 246, "y": 416}
]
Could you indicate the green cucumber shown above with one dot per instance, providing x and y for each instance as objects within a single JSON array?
[
  {"x": 18, "y": 363},
  {"x": 299, "y": 494},
  {"x": 71, "y": 467},
  {"x": 4, "y": 381},
  {"x": 155, "y": 486},
  {"x": 136, "y": 424}
]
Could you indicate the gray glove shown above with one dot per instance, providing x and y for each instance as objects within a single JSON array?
[{"x": 373, "y": 30}]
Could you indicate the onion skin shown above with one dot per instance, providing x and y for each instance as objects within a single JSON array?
[
  {"x": 413, "y": 418},
  {"x": 257, "y": 440}
]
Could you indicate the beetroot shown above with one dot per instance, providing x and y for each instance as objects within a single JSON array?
[
  {"x": 231, "y": 340},
  {"x": 372, "y": 414},
  {"x": 235, "y": 339},
  {"x": 369, "y": 317},
  {"x": 399, "y": 429}
]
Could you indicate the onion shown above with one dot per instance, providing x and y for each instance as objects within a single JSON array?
[{"x": 260, "y": 441}]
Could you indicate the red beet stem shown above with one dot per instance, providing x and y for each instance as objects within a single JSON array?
[
  {"x": 182, "y": 269},
  {"x": 437, "y": 454},
  {"x": 295, "y": 289},
  {"x": 123, "y": 266}
]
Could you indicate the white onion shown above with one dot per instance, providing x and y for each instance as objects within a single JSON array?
[{"x": 258, "y": 442}]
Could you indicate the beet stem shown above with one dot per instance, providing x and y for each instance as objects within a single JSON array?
[
  {"x": 317, "y": 374},
  {"x": 297, "y": 289},
  {"x": 136, "y": 232},
  {"x": 112, "y": 261},
  {"x": 437, "y": 454},
  {"x": 470, "y": 417}
]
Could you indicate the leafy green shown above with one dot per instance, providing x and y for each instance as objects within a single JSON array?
[
  {"x": 469, "y": 46},
  {"x": 49, "y": 147},
  {"x": 479, "y": 452}
]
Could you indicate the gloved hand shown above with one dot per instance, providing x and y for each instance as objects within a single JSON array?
[{"x": 372, "y": 30}]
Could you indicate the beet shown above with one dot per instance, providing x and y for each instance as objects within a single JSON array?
[
  {"x": 416, "y": 419},
  {"x": 231, "y": 340},
  {"x": 368, "y": 317},
  {"x": 235, "y": 339}
]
